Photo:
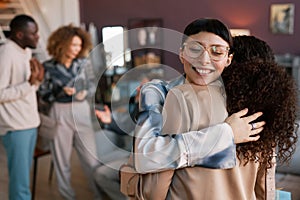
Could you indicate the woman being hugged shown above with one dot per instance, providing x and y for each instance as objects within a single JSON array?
[
  {"x": 67, "y": 85},
  {"x": 254, "y": 79}
]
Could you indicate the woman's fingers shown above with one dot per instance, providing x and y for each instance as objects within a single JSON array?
[
  {"x": 257, "y": 125},
  {"x": 242, "y": 112},
  {"x": 253, "y": 117},
  {"x": 255, "y": 132},
  {"x": 243, "y": 129},
  {"x": 106, "y": 109},
  {"x": 253, "y": 138}
]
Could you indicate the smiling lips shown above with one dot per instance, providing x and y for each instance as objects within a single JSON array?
[{"x": 203, "y": 71}]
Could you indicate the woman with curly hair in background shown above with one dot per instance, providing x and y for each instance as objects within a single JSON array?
[
  {"x": 67, "y": 84},
  {"x": 256, "y": 81}
]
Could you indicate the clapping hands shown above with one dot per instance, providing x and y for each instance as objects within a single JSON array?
[
  {"x": 37, "y": 72},
  {"x": 72, "y": 91},
  {"x": 69, "y": 90}
]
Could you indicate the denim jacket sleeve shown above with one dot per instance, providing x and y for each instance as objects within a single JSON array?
[{"x": 212, "y": 147}]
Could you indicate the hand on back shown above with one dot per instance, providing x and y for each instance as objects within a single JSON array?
[{"x": 242, "y": 128}]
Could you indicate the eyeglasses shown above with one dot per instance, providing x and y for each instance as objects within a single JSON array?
[{"x": 195, "y": 49}]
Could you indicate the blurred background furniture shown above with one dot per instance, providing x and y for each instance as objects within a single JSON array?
[{"x": 38, "y": 153}]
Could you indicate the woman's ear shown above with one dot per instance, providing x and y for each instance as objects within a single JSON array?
[
  {"x": 181, "y": 55},
  {"x": 229, "y": 59}
]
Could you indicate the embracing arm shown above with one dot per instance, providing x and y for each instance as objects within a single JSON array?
[
  {"x": 212, "y": 147},
  {"x": 155, "y": 151}
]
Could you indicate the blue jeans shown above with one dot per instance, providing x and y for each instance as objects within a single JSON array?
[{"x": 19, "y": 146}]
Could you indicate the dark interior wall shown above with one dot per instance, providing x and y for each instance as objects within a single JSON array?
[{"x": 251, "y": 14}]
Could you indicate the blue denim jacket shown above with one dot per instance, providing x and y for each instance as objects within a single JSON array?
[{"x": 154, "y": 151}]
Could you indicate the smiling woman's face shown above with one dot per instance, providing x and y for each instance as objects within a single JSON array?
[
  {"x": 203, "y": 70},
  {"x": 74, "y": 48}
]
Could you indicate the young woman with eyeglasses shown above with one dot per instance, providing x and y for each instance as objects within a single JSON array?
[
  {"x": 198, "y": 103},
  {"x": 159, "y": 144}
]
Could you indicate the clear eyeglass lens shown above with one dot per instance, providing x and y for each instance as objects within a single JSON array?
[{"x": 195, "y": 49}]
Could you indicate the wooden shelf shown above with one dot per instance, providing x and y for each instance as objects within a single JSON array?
[
  {"x": 10, "y": 5},
  {"x": 8, "y": 10}
]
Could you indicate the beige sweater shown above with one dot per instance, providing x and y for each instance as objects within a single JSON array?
[
  {"x": 192, "y": 108},
  {"x": 18, "y": 103}
]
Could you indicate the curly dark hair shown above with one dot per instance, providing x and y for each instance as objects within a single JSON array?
[
  {"x": 60, "y": 40},
  {"x": 267, "y": 87},
  {"x": 250, "y": 48}
]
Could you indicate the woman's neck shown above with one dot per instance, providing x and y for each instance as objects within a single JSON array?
[{"x": 68, "y": 63}]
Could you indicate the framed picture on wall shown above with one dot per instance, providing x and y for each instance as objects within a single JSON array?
[{"x": 282, "y": 18}]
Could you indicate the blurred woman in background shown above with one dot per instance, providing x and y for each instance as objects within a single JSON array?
[{"x": 68, "y": 85}]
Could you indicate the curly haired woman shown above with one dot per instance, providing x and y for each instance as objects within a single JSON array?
[
  {"x": 255, "y": 80},
  {"x": 67, "y": 85}
]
